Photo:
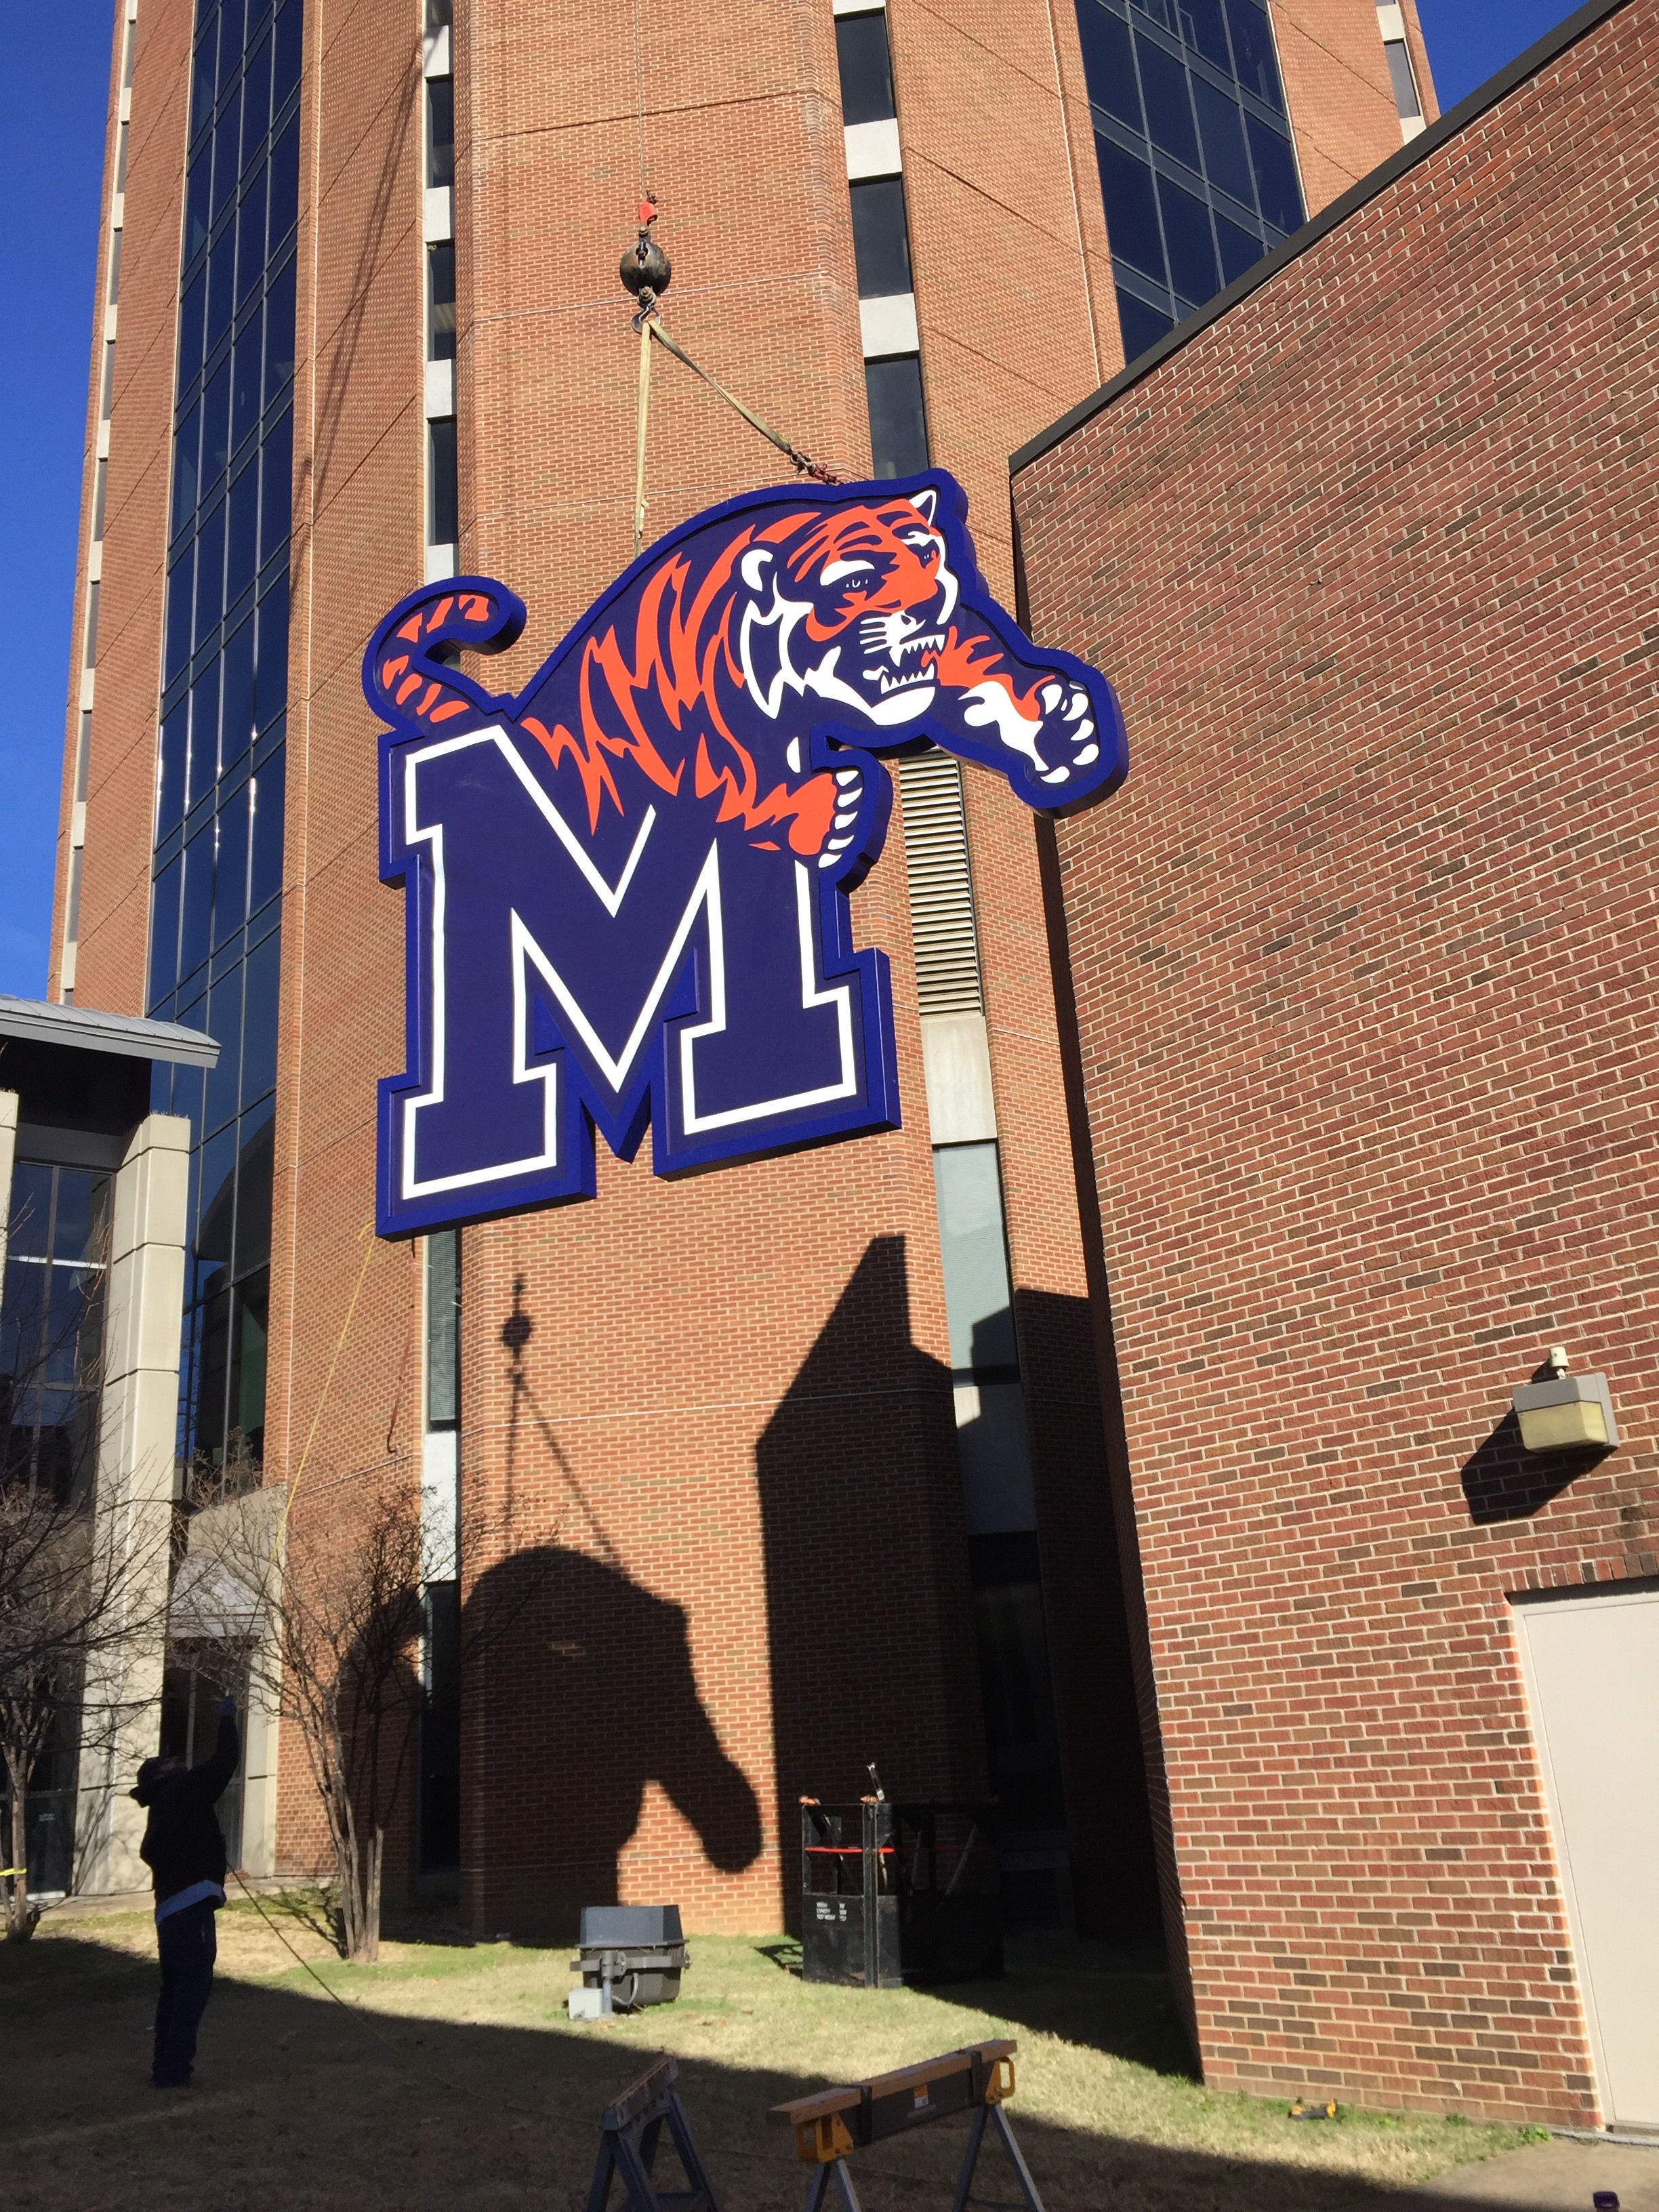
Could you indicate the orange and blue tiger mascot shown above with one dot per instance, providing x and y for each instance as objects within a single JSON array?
[{"x": 628, "y": 885}]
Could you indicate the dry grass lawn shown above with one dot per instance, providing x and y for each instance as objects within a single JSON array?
[{"x": 456, "y": 2080}]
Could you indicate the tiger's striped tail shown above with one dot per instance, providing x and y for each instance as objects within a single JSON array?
[{"x": 408, "y": 672}]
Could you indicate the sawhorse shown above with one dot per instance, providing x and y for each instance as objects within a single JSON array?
[
  {"x": 837, "y": 2121},
  {"x": 632, "y": 2128}
]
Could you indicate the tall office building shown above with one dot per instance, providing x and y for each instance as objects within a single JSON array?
[{"x": 775, "y": 1471}]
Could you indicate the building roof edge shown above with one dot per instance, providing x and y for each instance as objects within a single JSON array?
[
  {"x": 1369, "y": 187},
  {"x": 83, "y": 1029}
]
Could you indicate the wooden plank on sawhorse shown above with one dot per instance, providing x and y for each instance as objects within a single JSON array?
[
  {"x": 832, "y": 2124},
  {"x": 631, "y": 2130}
]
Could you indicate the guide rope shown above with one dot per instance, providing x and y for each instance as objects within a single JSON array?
[{"x": 646, "y": 272}]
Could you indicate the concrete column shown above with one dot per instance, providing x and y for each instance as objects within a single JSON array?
[
  {"x": 136, "y": 1484},
  {"x": 8, "y": 1161}
]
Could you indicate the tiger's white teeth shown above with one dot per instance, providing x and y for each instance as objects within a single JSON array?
[
  {"x": 1055, "y": 775},
  {"x": 846, "y": 776},
  {"x": 792, "y": 755},
  {"x": 845, "y": 821},
  {"x": 839, "y": 844},
  {"x": 1087, "y": 754}
]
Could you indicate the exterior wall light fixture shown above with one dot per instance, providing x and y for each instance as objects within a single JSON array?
[{"x": 1569, "y": 1412}]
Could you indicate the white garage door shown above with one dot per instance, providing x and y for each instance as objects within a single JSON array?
[{"x": 1592, "y": 1669}]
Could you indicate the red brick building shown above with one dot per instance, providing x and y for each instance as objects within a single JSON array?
[
  {"x": 359, "y": 327},
  {"x": 1363, "y": 965}
]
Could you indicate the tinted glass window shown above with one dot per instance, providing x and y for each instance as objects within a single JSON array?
[
  {"x": 881, "y": 247},
  {"x": 242, "y": 201},
  {"x": 1170, "y": 138},
  {"x": 898, "y": 420},
  {"x": 866, "y": 76}
]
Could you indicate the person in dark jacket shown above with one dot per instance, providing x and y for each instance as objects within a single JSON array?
[{"x": 183, "y": 1848}]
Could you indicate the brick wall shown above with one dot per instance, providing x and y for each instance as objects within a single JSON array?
[
  {"x": 114, "y": 917},
  {"x": 1338, "y": 90},
  {"x": 1363, "y": 963}
]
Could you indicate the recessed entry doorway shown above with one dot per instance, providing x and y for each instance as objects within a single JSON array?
[{"x": 1592, "y": 1673}]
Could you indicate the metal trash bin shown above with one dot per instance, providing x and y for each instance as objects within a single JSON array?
[
  {"x": 894, "y": 1894},
  {"x": 631, "y": 1956}
]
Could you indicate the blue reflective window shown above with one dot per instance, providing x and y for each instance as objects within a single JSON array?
[
  {"x": 1188, "y": 104},
  {"x": 1192, "y": 250},
  {"x": 237, "y": 261},
  {"x": 1131, "y": 209},
  {"x": 1142, "y": 326},
  {"x": 1109, "y": 62},
  {"x": 1169, "y": 103},
  {"x": 1253, "y": 51},
  {"x": 1276, "y": 178}
]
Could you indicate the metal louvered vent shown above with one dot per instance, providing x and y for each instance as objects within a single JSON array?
[{"x": 941, "y": 889}]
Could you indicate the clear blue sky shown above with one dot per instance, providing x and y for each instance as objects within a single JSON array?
[{"x": 54, "y": 75}]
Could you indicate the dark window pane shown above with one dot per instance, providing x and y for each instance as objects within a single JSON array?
[
  {"x": 226, "y": 153},
  {"x": 236, "y": 712},
  {"x": 275, "y": 475},
  {"x": 1222, "y": 129},
  {"x": 1405, "y": 84},
  {"x": 243, "y": 535},
  {"x": 441, "y": 131},
  {"x": 197, "y": 193},
  {"x": 247, "y": 1376},
  {"x": 266, "y": 877},
  {"x": 164, "y": 931},
  {"x": 259, "y": 1052},
  {"x": 1142, "y": 326},
  {"x": 279, "y": 332},
  {"x": 250, "y": 235},
  {"x": 180, "y": 582},
  {"x": 284, "y": 183},
  {"x": 443, "y": 483},
  {"x": 205, "y": 83},
  {"x": 256, "y": 103},
  {"x": 443, "y": 1314},
  {"x": 30, "y": 1228},
  {"x": 1131, "y": 208},
  {"x": 203, "y": 732},
  {"x": 441, "y": 302},
  {"x": 210, "y": 575},
  {"x": 191, "y": 309},
  {"x": 898, "y": 421},
  {"x": 285, "y": 73},
  {"x": 1239, "y": 250},
  {"x": 80, "y": 1215},
  {"x": 881, "y": 248},
  {"x": 215, "y": 426},
  {"x": 222, "y": 270},
  {"x": 1253, "y": 48},
  {"x": 1108, "y": 63},
  {"x": 1192, "y": 252},
  {"x": 866, "y": 76},
  {"x": 1168, "y": 110},
  {"x": 270, "y": 667},
  {"x": 171, "y": 755},
  {"x": 230, "y": 871},
  {"x": 224, "y": 1025},
  {"x": 1276, "y": 187},
  {"x": 244, "y": 382},
  {"x": 212, "y": 1374},
  {"x": 1209, "y": 31},
  {"x": 232, "y": 25},
  {"x": 185, "y": 452},
  {"x": 253, "y": 1179},
  {"x": 198, "y": 908}
]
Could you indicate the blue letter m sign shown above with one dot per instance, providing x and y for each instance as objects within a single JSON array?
[{"x": 627, "y": 887}]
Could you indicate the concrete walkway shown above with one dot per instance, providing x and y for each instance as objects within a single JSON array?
[{"x": 1552, "y": 2177}]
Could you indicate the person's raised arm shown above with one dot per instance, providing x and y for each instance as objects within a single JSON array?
[{"x": 214, "y": 1773}]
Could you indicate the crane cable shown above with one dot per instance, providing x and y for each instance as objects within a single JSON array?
[{"x": 646, "y": 271}]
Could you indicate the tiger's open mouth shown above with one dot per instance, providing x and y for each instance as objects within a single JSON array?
[{"x": 921, "y": 651}]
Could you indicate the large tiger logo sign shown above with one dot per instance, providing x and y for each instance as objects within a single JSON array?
[{"x": 629, "y": 887}]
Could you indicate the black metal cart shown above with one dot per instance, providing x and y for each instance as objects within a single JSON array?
[{"x": 894, "y": 1894}]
